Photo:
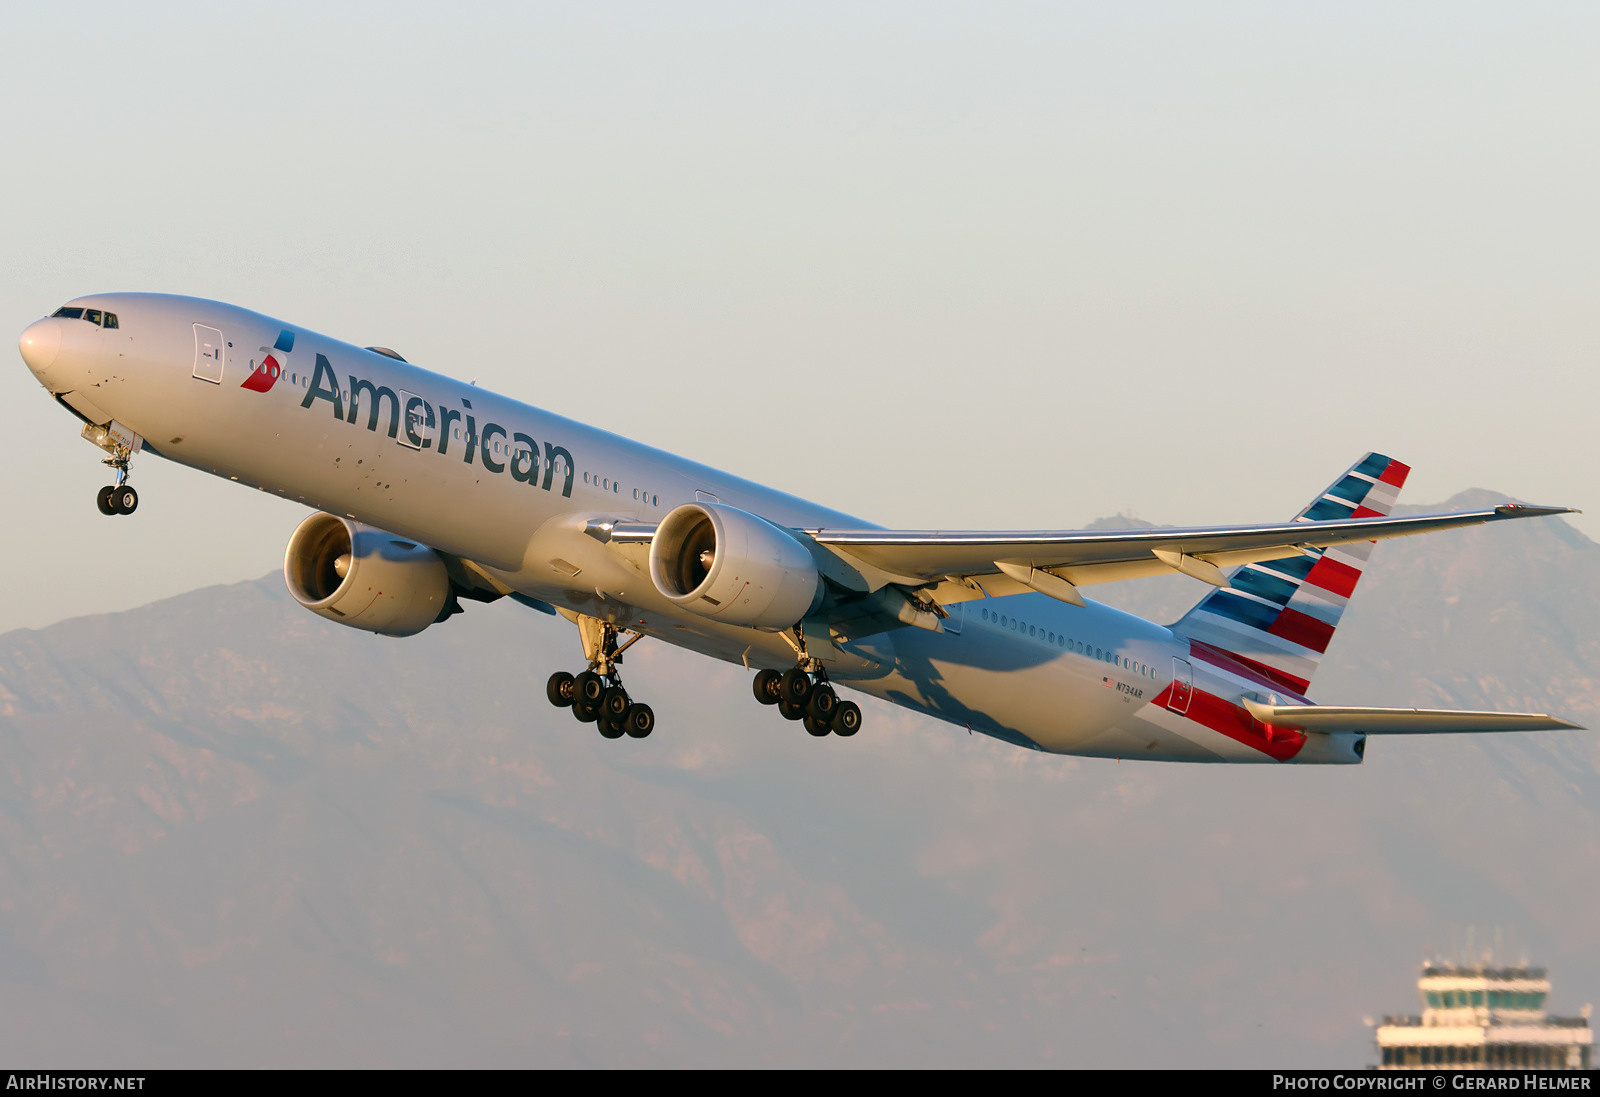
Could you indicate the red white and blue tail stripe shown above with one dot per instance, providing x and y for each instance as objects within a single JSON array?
[{"x": 1278, "y": 616}]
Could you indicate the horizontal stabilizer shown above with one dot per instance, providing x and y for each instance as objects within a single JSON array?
[{"x": 1400, "y": 721}]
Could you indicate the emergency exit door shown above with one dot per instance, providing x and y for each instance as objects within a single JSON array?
[{"x": 1182, "y": 686}]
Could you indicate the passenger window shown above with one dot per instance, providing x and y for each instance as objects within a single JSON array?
[{"x": 111, "y": 320}]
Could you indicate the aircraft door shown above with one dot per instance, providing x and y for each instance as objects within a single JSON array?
[
  {"x": 208, "y": 351},
  {"x": 416, "y": 421},
  {"x": 1182, "y": 686}
]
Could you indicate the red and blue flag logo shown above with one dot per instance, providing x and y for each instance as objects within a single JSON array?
[{"x": 270, "y": 368}]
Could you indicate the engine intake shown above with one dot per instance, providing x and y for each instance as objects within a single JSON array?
[
  {"x": 365, "y": 578},
  {"x": 731, "y": 566}
]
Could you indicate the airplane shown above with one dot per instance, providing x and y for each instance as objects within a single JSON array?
[{"x": 429, "y": 492}]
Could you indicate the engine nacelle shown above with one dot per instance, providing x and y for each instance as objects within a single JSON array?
[
  {"x": 365, "y": 578},
  {"x": 731, "y": 566}
]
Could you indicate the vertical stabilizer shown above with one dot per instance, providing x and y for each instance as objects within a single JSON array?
[{"x": 1279, "y": 615}]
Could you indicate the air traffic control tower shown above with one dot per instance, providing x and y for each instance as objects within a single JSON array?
[{"x": 1483, "y": 1017}]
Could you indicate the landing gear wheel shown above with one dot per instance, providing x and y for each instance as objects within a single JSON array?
[
  {"x": 614, "y": 704},
  {"x": 104, "y": 502},
  {"x": 610, "y": 729},
  {"x": 585, "y": 712},
  {"x": 588, "y": 687},
  {"x": 795, "y": 686},
  {"x": 766, "y": 687},
  {"x": 846, "y": 719},
  {"x": 560, "y": 689},
  {"x": 125, "y": 499},
  {"x": 816, "y": 727},
  {"x": 640, "y": 721},
  {"x": 792, "y": 711},
  {"x": 824, "y": 702}
]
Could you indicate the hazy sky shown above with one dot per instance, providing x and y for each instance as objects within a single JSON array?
[{"x": 988, "y": 265}]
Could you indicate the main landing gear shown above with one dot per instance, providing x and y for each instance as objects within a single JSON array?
[
  {"x": 118, "y": 498},
  {"x": 803, "y": 693},
  {"x": 596, "y": 696}
]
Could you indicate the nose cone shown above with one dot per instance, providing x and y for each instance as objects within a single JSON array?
[{"x": 40, "y": 344}]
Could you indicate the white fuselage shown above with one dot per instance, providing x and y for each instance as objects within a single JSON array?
[{"x": 368, "y": 437}]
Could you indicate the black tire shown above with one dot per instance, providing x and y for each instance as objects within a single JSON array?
[
  {"x": 640, "y": 721},
  {"x": 125, "y": 499},
  {"x": 103, "y": 500},
  {"x": 610, "y": 729},
  {"x": 847, "y": 719},
  {"x": 585, "y": 712},
  {"x": 560, "y": 689},
  {"x": 614, "y": 703},
  {"x": 588, "y": 687},
  {"x": 816, "y": 727},
  {"x": 822, "y": 704},
  {"x": 766, "y": 686},
  {"x": 791, "y": 711},
  {"x": 795, "y": 686}
]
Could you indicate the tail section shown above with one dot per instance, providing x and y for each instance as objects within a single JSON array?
[{"x": 1278, "y": 616}]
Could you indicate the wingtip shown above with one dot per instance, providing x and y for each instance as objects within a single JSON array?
[{"x": 1531, "y": 510}]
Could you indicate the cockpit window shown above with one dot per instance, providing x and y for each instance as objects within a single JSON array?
[{"x": 94, "y": 316}]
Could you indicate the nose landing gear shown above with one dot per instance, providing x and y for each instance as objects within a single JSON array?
[
  {"x": 118, "y": 498},
  {"x": 596, "y": 696}
]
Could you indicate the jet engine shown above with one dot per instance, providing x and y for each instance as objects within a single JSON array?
[
  {"x": 731, "y": 566},
  {"x": 364, "y": 577}
]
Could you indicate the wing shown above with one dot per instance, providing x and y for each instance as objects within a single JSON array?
[
  {"x": 1399, "y": 721},
  {"x": 1056, "y": 562},
  {"x": 963, "y": 565}
]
